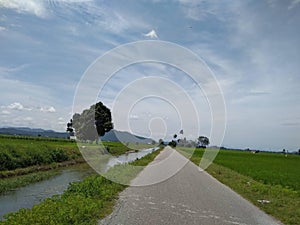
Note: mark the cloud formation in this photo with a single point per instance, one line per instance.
(151, 34)
(50, 109)
(35, 7)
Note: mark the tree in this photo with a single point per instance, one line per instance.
(70, 128)
(161, 142)
(92, 122)
(173, 143)
(203, 141)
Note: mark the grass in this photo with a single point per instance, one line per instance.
(268, 176)
(83, 202)
(25, 160)
(21, 152)
(118, 148)
(12, 183)
(18, 152)
(284, 202)
(267, 168)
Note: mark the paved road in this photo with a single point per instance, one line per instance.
(190, 197)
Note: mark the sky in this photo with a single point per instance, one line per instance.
(252, 49)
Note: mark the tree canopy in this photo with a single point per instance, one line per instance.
(91, 123)
(203, 141)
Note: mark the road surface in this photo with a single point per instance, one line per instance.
(191, 196)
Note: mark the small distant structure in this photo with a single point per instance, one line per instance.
(72, 137)
(255, 151)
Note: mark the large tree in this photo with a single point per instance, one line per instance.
(92, 122)
(203, 141)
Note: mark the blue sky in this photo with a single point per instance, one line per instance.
(252, 48)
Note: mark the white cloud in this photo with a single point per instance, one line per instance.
(293, 4)
(5, 112)
(35, 7)
(2, 28)
(151, 34)
(10, 70)
(50, 109)
(16, 106)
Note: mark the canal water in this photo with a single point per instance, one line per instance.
(26, 197)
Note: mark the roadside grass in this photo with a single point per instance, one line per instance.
(262, 176)
(284, 202)
(83, 202)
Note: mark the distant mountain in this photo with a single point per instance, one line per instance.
(124, 136)
(113, 135)
(26, 131)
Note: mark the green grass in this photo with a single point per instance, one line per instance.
(269, 176)
(118, 148)
(83, 202)
(12, 183)
(267, 168)
(25, 160)
(21, 152)
(284, 202)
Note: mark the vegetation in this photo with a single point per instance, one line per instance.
(24, 152)
(82, 203)
(203, 141)
(27, 160)
(12, 183)
(269, 176)
(118, 148)
(21, 155)
(91, 123)
(267, 168)
(284, 202)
